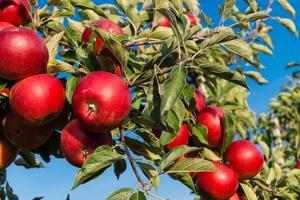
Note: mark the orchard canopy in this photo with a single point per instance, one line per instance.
(155, 87)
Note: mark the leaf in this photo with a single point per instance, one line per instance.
(256, 76)
(278, 172)
(262, 48)
(222, 36)
(191, 165)
(28, 160)
(123, 193)
(201, 133)
(248, 191)
(173, 88)
(289, 24)
(76, 27)
(292, 64)
(103, 157)
(288, 7)
(172, 155)
(150, 172)
(119, 168)
(228, 132)
(139, 195)
(70, 87)
(10, 193)
(227, 8)
(255, 16)
(83, 4)
(240, 48)
(115, 47)
(253, 4)
(58, 66)
(53, 43)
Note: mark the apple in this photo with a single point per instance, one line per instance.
(8, 153)
(191, 19)
(16, 12)
(164, 21)
(5, 25)
(37, 100)
(217, 185)
(244, 158)
(298, 165)
(101, 101)
(182, 137)
(236, 196)
(23, 53)
(212, 118)
(103, 24)
(200, 100)
(78, 144)
(22, 136)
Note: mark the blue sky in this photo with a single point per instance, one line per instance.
(55, 180)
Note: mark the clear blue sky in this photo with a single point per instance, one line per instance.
(54, 181)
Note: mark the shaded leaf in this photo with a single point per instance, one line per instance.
(240, 48)
(191, 165)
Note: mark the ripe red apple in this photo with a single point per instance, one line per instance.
(182, 137)
(212, 118)
(16, 12)
(164, 22)
(217, 185)
(101, 101)
(78, 144)
(8, 153)
(297, 165)
(200, 100)
(244, 158)
(103, 24)
(37, 100)
(22, 136)
(5, 25)
(191, 18)
(23, 53)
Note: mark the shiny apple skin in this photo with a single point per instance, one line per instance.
(22, 54)
(101, 101)
(78, 143)
(37, 100)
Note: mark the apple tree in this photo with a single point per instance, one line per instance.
(152, 86)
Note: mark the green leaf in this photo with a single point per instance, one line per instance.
(123, 193)
(240, 48)
(255, 16)
(53, 43)
(217, 38)
(150, 172)
(28, 160)
(227, 8)
(115, 47)
(253, 4)
(261, 48)
(191, 165)
(119, 168)
(288, 7)
(83, 4)
(278, 172)
(201, 133)
(139, 195)
(209, 154)
(70, 87)
(250, 194)
(76, 27)
(256, 76)
(58, 66)
(289, 24)
(103, 157)
(229, 131)
(172, 155)
(173, 88)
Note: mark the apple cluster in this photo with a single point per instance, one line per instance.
(242, 159)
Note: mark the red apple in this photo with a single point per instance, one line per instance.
(101, 101)
(212, 118)
(164, 21)
(22, 136)
(16, 12)
(5, 25)
(217, 185)
(37, 100)
(8, 153)
(297, 165)
(191, 18)
(200, 100)
(23, 53)
(244, 158)
(78, 144)
(182, 137)
(103, 24)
